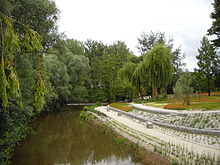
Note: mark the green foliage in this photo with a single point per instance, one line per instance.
(105, 61)
(183, 87)
(67, 74)
(90, 108)
(214, 30)
(21, 73)
(158, 67)
(104, 71)
(146, 42)
(94, 49)
(86, 116)
(121, 140)
(45, 15)
(85, 108)
(75, 47)
(217, 80)
(175, 162)
(125, 74)
(208, 63)
(39, 99)
(5, 7)
(10, 44)
(134, 78)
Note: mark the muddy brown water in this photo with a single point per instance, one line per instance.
(61, 138)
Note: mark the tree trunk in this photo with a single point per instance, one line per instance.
(209, 86)
(142, 96)
(141, 93)
(188, 99)
(154, 92)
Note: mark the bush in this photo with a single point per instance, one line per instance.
(86, 108)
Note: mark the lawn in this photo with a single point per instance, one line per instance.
(122, 106)
(204, 102)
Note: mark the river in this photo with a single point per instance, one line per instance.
(61, 138)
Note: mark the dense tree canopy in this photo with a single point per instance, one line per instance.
(67, 73)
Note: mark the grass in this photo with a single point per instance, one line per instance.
(122, 106)
(156, 104)
(205, 102)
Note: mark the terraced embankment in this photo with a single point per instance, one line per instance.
(174, 147)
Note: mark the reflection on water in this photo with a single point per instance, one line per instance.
(62, 139)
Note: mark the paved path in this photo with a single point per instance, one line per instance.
(167, 111)
(198, 148)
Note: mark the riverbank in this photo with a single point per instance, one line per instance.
(172, 147)
(127, 142)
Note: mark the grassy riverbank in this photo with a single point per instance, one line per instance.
(122, 106)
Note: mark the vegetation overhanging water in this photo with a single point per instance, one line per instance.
(61, 138)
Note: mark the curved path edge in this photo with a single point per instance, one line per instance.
(197, 147)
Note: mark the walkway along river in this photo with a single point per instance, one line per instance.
(172, 147)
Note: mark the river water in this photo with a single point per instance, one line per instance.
(61, 138)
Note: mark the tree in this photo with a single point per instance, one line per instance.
(147, 41)
(183, 87)
(78, 68)
(22, 74)
(10, 45)
(140, 78)
(75, 47)
(104, 80)
(59, 80)
(105, 61)
(217, 80)
(12, 119)
(5, 7)
(208, 62)
(40, 15)
(67, 73)
(215, 28)
(158, 66)
(126, 76)
(93, 48)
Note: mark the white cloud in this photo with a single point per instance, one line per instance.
(111, 20)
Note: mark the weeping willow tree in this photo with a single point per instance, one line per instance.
(139, 79)
(11, 44)
(158, 67)
(125, 74)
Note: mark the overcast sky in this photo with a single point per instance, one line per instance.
(111, 20)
